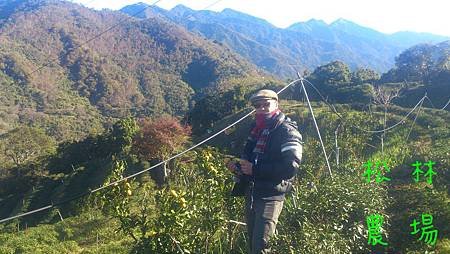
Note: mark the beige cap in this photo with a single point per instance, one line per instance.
(264, 94)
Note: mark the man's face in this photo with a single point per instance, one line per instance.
(265, 106)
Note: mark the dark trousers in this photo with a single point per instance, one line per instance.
(262, 217)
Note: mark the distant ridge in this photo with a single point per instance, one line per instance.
(303, 45)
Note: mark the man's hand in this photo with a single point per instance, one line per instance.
(230, 165)
(246, 167)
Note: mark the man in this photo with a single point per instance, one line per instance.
(271, 158)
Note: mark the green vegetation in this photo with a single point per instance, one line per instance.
(323, 215)
(51, 79)
(99, 112)
(22, 145)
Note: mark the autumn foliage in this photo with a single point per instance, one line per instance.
(158, 138)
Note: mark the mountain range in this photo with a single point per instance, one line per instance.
(74, 70)
(303, 45)
(62, 65)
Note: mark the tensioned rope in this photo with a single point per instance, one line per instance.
(209, 138)
(333, 109)
(411, 128)
(195, 146)
(51, 205)
(434, 107)
(315, 123)
(414, 122)
(448, 102)
(428, 99)
(123, 179)
(419, 103)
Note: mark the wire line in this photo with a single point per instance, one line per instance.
(315, 124)
(446, 104)
(359, 128)
(411, 128)
(140, 172)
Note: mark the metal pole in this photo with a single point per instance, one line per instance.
(315, 123)
(336, 144)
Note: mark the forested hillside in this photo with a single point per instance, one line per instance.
(69, 74)
(88, 98)
(304, 45)
(419, 70)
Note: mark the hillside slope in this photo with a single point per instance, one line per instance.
(140, 66)
(331, 208)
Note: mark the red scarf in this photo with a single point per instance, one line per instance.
(265, 123)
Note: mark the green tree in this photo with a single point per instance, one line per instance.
(364, 75)
(214, 107)
(333, 73)
(414, 65)
(122, 134)
(25, 144)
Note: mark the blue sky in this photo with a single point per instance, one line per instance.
(386, 16)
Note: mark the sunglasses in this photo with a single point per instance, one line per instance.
(262, 104)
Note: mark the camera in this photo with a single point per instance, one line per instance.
(238, 170)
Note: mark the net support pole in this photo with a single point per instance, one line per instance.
(315, 123)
